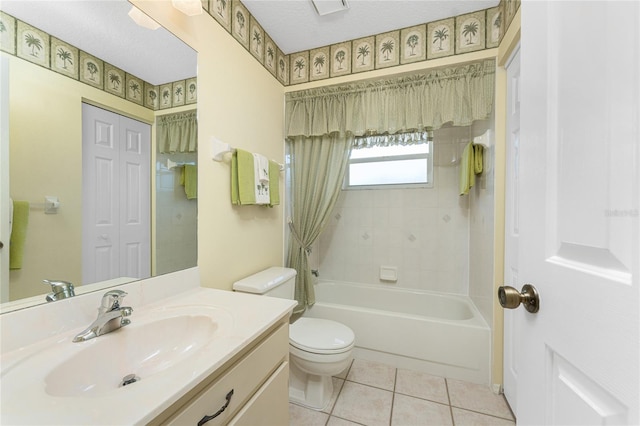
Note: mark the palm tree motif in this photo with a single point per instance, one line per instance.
(178, 93)
(134, 87)
(470, 29)
(412, 42)
(34, 43)
(240, 20)
(270, 54)
(440, 35)
(340, 57)
(257, 37)
(2, 27)
(318, 62)
(92, 69)
(281, 64)
(192, 89)
(363, 51)
(165, 96)
(387, 48)
(498, 21)
(152, 96)
(64, 56)
(299, 66)
(222, 5)
(115, 80)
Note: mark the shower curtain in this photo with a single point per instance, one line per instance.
(324, 120)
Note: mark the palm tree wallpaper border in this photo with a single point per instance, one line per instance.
(495, 18)
(470, 32)
(299, 67)
(91, 70)
(363, 54)
(412, 44)
(32, 44)
(7, 33)
(320, 62)
(441, 36)
(27, 42)
(387, 49)
(114, 80)
(340, 59)
(256, 40)
(64, 58)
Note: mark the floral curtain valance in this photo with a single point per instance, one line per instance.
(458, 95)
(177, 132)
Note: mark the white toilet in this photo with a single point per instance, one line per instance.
(318, 348)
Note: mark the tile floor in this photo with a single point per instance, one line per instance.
(372, 394)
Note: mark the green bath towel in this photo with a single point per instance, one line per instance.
(467, 173)
(274, 183)
(189, 178)
(20, 221)
(242, 178)
(478, 152)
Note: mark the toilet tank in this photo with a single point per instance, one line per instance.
(275, 282)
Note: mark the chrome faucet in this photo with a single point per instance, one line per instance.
(60, 290)
(111, 316)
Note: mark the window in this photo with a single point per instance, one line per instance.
(387, 166)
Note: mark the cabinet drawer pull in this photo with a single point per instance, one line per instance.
(205, 419)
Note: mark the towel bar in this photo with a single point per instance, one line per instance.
(219, 149)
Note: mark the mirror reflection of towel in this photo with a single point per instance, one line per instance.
(189, 178)
(19, 222)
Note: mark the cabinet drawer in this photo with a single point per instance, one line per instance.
(243, 378)
(270, 405)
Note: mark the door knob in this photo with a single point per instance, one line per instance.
(510, 298)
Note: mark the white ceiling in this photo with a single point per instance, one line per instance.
(102, 28)
(294, 25)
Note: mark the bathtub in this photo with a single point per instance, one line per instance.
(443, 335)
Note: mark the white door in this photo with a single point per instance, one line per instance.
(512, 333)
(116, 196)
(579, 232)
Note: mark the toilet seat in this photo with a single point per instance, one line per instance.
(320, 336)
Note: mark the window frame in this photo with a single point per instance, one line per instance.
(426, 156)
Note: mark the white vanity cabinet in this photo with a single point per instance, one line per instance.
(252, 388)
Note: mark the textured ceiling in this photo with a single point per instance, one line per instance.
(294, 25)
(102, 28)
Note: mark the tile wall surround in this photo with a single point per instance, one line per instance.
(424, 232)
(20, 39)
(470, 32)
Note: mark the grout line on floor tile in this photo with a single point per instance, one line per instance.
(393, 396)
(484, 414)
(446, 385)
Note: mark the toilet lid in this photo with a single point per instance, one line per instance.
(320, 335)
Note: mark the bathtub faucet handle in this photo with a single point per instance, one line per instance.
(315, 273)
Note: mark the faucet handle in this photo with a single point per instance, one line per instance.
(60, 290)
(112, 299)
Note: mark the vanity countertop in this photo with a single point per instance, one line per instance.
(28, 395)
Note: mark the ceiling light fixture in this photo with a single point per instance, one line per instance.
(325, 7)
(188, 7)
(141, 19)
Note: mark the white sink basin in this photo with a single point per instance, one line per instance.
(139, 349)
(171, 345)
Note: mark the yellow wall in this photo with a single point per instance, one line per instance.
(45, 117)
(240, 103)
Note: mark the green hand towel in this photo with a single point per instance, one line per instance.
(242, 178)
(478, 152)
(20, 221)
(274, 183)
(189, 179)
(467, 174)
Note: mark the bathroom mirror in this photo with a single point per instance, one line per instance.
(154, 56)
